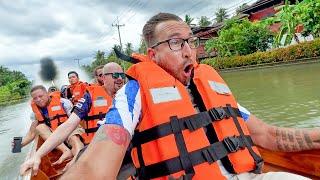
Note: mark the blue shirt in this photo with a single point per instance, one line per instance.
(126, 107)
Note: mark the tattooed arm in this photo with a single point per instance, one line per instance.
(283, 139)
(103, 157)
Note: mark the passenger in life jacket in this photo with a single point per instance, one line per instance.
(49, 112)
(98, 76)
(91, 109)
(183, 118)
(53, 91)
(77, 88)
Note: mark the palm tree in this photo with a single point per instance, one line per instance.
(204, 21)
(221, 15)
(188, 19)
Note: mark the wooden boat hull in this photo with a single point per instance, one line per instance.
(305, 163)
(47, 171)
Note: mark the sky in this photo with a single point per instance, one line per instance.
(72, 30)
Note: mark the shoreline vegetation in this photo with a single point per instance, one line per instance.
(305, 52)
(14, 86)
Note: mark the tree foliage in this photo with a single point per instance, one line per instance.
(204, 21)
(143, 47)
(309, 12)
(188, 19)
(221, 15)
(289, 18)
(240, 37)
(128, 49)
(13, 84)
(102, 59)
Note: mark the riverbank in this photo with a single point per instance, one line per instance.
(292, 54)
(13, 101)
(272, 65)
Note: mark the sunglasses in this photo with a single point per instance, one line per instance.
(116, 75)
(100, 75)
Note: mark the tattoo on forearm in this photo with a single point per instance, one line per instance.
(299, 139)
(308, 140)
(115, 133)
(295, 140)
(284, 135)
(279, 146)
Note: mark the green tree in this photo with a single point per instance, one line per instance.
(221, 15)
(102, 59)
(128, 49)
(240, 37)
(289, 18)
(204, 21)
(188, 19)
(309, 12)
(13, 85)
(143, 47)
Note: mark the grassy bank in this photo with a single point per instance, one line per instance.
(299, 52)
(13, 101)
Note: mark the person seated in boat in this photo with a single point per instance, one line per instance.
(98, 75)
(91, 109)
(182, 119)
(50, 111)
(77, 88)
(53, 91)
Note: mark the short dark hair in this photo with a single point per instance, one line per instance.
(34, 88)
(96, 69)
(73, 72)
(149, 27)
(52, 89)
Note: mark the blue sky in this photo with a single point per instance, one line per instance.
(76, 29)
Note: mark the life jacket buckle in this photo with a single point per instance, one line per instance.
(232, 143)
(218, 113)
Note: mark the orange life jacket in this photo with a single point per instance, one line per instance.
(56, 113)
(101, 103)
(77, 91)
(170, 139)
(55, 94)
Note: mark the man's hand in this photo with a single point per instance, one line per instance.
(32, 163)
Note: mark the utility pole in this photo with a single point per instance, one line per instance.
(78, 61)
(118, 26)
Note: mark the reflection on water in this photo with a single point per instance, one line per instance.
(286, 96)
(14, 121)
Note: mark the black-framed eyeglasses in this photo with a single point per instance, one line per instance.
(116, 75)
(176, 44)
(100, 75)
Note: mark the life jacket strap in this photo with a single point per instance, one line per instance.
(192, 122)
(257, 159)
(209, 154)
(91, 130)
(94, 117)
(184, 157)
